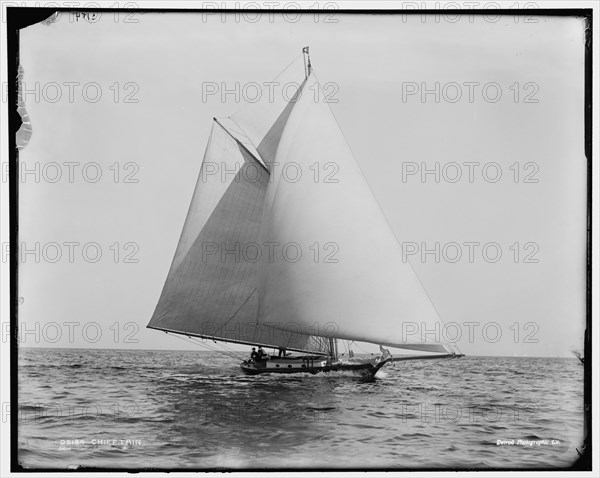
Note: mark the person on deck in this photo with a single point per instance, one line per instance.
(253, 355)
(261, 354)
(282, 351)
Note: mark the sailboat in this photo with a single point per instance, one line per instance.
(284, 245)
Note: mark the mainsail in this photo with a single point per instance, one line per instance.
(276, 252)
(348, 275)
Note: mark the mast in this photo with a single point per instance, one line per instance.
(307, 66)
(333, 349)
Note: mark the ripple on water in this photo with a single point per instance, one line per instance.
(192, 410)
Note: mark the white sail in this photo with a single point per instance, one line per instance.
(284, 244)
(210, 290)
(264, 117)
(342, 274)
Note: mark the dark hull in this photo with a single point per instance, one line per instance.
(313, 366)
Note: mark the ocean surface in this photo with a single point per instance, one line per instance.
(128, 409)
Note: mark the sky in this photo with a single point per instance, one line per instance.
(494, 105)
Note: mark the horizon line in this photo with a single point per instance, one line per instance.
(573, 356)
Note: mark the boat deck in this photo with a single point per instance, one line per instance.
(309, 364)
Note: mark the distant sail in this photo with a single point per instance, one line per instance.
(344, 274)
(210, 290)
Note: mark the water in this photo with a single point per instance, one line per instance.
(195, 410)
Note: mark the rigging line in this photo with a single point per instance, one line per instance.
(236, 312)
(234, 352)
(215, 339)
(290, 64)
(262, 161)
(362, 349)
(380, 208)
(215, 349)
(190, 340)
(230, 353)
(207, 346)
(187, 339)
(239, 131)
(227, 350)
(300, 88)
(278, 75)
(237, 141)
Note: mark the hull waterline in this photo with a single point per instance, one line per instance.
(313, 366)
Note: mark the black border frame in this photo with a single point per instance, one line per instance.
(21, 17)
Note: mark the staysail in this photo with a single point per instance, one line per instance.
(343, 270)
(210, 289)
